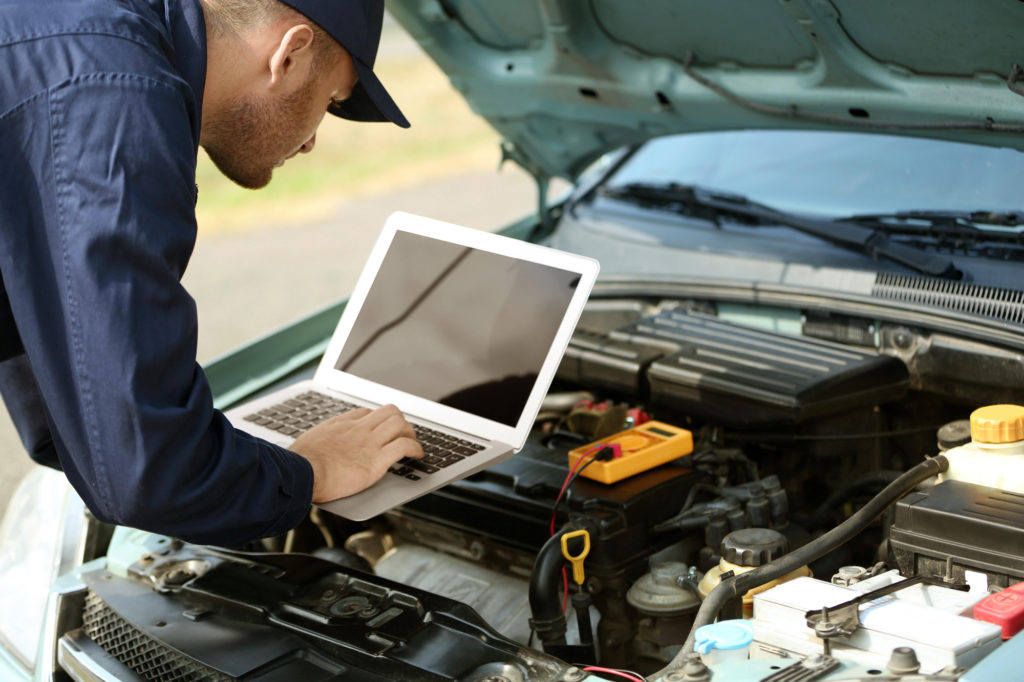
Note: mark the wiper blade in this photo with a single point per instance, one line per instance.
(708, 204)
(969, 226)
(1000, 218)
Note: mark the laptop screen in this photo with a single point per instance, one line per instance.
(463, 327)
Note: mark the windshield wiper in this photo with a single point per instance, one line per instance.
(963, 227)
(699, 202)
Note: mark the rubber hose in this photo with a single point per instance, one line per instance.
(815, 549)
(876, 479)
(545, 597)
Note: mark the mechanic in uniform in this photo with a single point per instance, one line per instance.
(103, 106)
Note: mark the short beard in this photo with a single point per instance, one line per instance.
(245, 139)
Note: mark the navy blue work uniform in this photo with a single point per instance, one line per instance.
(100, 110)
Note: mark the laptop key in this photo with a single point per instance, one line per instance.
(420, 466)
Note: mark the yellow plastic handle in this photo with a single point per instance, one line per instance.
(577, 560)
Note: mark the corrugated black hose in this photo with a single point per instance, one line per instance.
(547, 620)
(815, 549)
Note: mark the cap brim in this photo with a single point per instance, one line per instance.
(369, 100)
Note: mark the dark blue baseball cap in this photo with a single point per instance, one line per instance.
(356, 25)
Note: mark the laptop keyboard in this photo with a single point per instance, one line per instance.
(299, 414)
(302, 412)
(440, 450)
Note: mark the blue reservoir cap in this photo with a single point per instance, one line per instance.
(724, 635)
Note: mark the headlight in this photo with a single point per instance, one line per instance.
(38, 541)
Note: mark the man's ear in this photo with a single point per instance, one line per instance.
(292, 57)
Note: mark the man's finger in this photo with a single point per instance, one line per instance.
(376, 417)
(357, 413)
(394, 427)
(402, 447)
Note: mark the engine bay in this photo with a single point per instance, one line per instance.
(535, 569)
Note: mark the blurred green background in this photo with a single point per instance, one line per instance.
(356, 160)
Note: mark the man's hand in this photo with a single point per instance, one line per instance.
(352, 451)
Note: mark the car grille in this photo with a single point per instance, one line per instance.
(1003, 304)
(135, 649)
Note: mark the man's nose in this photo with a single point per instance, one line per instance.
(308, 146)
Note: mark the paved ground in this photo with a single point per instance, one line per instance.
(246, 284)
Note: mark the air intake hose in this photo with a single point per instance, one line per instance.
(547, 619)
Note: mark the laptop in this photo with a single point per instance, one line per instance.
(461, 329)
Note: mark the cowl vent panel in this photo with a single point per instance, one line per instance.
(1002, 304)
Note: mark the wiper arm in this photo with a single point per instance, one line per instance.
(954, 225)
(708, 204)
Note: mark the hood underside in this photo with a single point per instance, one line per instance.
(564, 81)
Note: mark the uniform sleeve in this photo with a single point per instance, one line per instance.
(111, 334)
(27, 410)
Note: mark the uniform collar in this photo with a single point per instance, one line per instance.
(188, 36)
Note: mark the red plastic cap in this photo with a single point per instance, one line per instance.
(1005, 609)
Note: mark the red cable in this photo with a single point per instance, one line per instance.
(579, 464)
(611, 671)
(554, 514)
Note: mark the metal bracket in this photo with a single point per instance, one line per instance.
(844, 619)
(810, 668)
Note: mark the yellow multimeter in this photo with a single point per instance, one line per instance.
(641, 448)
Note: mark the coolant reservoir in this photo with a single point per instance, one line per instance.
(995, 455)
(744, 550)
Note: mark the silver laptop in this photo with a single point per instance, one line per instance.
(461, 329)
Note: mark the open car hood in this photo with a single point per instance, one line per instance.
(564, 81)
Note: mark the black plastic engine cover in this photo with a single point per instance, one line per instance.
(980, 528)
(733, 374)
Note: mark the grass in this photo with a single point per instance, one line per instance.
(358, 159)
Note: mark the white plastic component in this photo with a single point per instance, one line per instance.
(939, 638)
(951, 601)
(716, 656)
(995, 465)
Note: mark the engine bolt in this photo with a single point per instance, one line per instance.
(178, 576)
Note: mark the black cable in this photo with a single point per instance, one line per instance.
(572, 479)
(691, 497)
(876, 479)
(603, 455)
(770, 437)
(815, 549)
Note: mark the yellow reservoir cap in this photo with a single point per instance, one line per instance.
(997, 424)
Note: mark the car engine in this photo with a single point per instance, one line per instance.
(758, 445)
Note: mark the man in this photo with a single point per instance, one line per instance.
(103, 105)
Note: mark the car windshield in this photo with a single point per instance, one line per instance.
(835, 174)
